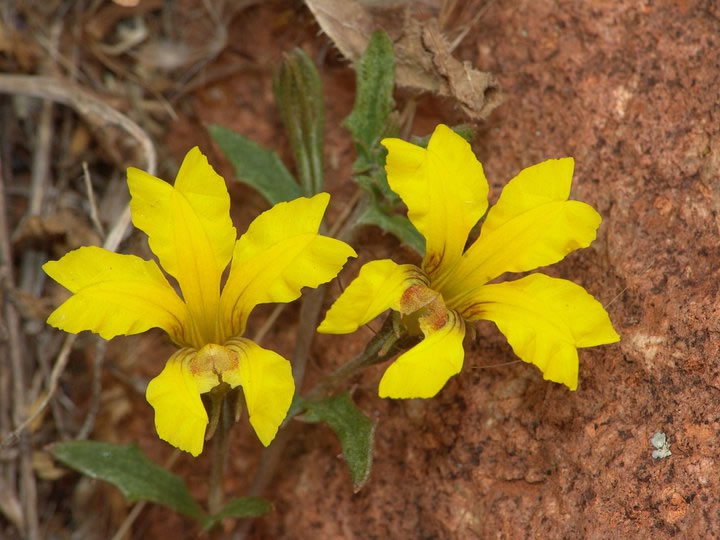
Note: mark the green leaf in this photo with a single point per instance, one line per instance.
(373, 98)
(256, 166)
(125, 467)
(395, 224)
(355, 431)
(243, 507)
(299, 97)
(368, 123)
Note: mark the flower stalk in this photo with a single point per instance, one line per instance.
(221, 447)
(386, 343)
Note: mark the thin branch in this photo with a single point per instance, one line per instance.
(85, 103)
(269, 323)
(464, 32)
(91, 201)
(12, 320)
(98, 361)
(42, 147)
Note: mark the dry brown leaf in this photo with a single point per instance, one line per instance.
(65, 230)
(347, 23)
(44, 466)
(424, 60)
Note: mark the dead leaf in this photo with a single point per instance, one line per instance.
(425, 63)
(64, 230)
(347, 23)
(423, 54)
(44, 466)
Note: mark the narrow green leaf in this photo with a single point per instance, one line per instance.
(243, 507)
(373, 98)
(125, 467)
(299, 97)
(355, 431)
(395, 224)
(256, 166)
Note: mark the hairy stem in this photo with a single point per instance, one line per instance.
(221, 445)
(382, 346)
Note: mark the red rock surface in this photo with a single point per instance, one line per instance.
(630, 90)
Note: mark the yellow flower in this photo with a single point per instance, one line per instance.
(533, 224)
(190, 232)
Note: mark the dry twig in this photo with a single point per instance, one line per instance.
(91, 201)
(14, 344)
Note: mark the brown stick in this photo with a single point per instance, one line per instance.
(85, 103)
(12, 320)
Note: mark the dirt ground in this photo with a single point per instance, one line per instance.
(630, 90)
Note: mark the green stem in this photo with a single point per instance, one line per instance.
(310, 309)
(381, 347)
(385, 344)
(221, 445)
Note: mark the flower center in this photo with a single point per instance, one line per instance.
(213, 358)
(423, 309)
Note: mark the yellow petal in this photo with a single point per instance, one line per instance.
(532, 225)
(422, 371)
(545, 320)
(115, 295)
(280, 254)
(180, 416)
(379, 286)
(445, 190)
(190, 231)
(267, 382)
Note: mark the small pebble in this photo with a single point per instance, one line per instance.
(662, 447)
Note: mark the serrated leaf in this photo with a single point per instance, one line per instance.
(127, 468)
(243, 507)
(396, 224)
(298, 92)
(256, 166)
(373, 98)
(355, 431)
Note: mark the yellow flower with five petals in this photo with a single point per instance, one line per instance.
(533, 224)
(191, 233)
